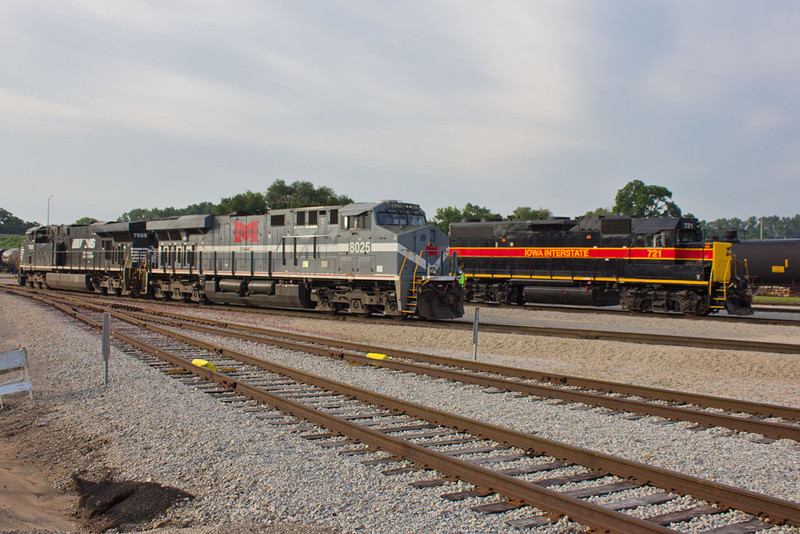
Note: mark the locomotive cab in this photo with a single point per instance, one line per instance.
(393, 239)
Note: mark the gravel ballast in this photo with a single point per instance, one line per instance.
(251, 476)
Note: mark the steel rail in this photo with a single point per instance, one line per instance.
(772, 429)
(516, 490)
(629, 337)
(724, 403)
(569, 333)
(776, 308)
(661, 315)
(777, 510)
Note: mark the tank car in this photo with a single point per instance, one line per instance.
(9, 259)
(377, 257)
(643, 264)
(771, 262)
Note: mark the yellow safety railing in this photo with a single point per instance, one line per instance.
(720, 251)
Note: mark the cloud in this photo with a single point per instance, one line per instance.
(546, 103)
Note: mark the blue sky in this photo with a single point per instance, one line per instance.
(109, 106)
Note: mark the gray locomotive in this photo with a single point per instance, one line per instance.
(376, 257)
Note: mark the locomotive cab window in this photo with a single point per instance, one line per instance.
(689, 236)
(276, 220)
(301, 218)
(356, 222)
(658, 240)
(392, 218)
(400, 218)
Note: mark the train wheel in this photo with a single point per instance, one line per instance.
(690, 303)
(358, 309)
(158, 294)
(365, 311)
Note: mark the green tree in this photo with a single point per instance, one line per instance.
(11, 224)
(473, 212)
(86, 220)
(145, 214)
(202, 208)
(768, 227)
(599, 211)
(247, 202)
(637, 198)
(281, 195)
(524, 213)
(451, 214)
(445, 216)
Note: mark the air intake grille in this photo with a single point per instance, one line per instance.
(616, 226)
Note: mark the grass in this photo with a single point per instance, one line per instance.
(11, 241)
(792, 301)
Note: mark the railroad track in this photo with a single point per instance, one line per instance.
(572, 333)
(739, 415)
(546, 476)
(629, 337)
(616, 311)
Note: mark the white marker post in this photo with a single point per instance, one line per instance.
(106, 348)
(475, 337)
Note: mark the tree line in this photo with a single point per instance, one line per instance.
(11, 224)
(635, 198)
(279, 195)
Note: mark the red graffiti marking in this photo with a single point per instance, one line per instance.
(431, 251)
(245, 232)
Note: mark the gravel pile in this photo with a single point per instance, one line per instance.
(249, 476)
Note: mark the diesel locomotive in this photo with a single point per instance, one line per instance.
(376, 257)
(642, 264)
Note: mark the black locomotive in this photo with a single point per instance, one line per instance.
(642, 264)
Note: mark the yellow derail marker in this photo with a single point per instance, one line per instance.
(204, 363)
(373, 356)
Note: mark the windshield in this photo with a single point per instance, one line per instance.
(400, 218)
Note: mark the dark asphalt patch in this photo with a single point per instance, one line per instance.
(111, 504)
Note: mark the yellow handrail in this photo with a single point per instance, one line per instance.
(400, 279)
(414, 279)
